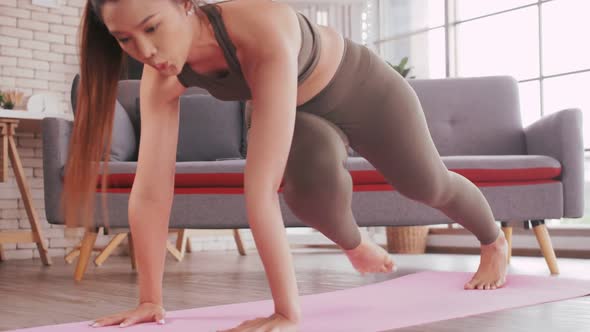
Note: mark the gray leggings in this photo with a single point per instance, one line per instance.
(372, 108)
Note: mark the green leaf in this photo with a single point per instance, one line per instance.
(8, 105)
(404, 62)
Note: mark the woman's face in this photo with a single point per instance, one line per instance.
(157, 33)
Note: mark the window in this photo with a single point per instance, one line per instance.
(468, 9)
(569, 91)
(346, 17)
(405, 16)
(322, 17)
(425, 52)
(530, 101)
(498, 45)
(413, 29)
(563, 20)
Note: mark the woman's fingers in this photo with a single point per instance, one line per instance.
(145, 312)
(130, 321)
(107, 321)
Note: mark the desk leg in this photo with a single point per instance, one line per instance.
(27, 198)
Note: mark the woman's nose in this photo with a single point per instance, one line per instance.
(146, 49)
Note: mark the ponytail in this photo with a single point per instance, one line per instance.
(101, 62)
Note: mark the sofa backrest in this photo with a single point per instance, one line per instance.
(210, 129)
(472, 116)
(465, 116)
(128, 92)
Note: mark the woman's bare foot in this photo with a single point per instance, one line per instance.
(368, 257)
(491, 273)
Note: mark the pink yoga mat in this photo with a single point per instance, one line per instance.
(413, 299)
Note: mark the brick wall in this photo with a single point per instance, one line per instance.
(38, 47)
(38, 54)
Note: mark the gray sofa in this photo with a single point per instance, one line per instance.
(527, 174)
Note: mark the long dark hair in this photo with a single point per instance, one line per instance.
(101, 62)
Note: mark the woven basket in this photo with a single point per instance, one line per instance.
(407, 239)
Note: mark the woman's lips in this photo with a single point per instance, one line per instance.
(162, 66)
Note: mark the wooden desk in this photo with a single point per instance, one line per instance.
(9, 121)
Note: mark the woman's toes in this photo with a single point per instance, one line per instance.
(390, 265)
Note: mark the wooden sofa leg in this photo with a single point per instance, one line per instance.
(239, 243)
(69, 258)
(507, 229)
(108, 250)
(131, 250)
(86, 247)
(189, 248)
(173, 251)
(181, 241)
(544, 240)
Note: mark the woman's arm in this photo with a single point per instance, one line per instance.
(271, 71)
(153, 188)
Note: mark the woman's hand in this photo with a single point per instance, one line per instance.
(274, 323)
(145, 312)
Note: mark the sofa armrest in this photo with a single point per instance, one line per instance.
(559, 135)
(56, 134)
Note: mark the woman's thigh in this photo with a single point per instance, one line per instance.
(384, 122)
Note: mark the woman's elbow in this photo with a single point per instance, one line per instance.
(261, 192)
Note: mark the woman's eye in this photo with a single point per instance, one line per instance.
(152, 29)
(124, 40)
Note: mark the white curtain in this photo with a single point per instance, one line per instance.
(343, 16)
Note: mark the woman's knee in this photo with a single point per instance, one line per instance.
(315, 164)
(318, 173)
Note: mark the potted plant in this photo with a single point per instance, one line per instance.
(401, 67)
(11, 99)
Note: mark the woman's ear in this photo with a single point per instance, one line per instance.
(188, 7)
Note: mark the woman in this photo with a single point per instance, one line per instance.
(313, 93)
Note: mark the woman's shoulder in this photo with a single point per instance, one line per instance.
(252, 22)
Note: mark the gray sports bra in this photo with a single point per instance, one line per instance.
(233, 86)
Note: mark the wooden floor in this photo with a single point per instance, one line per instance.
(33, 295)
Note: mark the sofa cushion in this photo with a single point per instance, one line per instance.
(482, 170)
(246, 127)
(124, 143)
(498, 169)
(247, 117)
(472, 115)
(210, 129)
